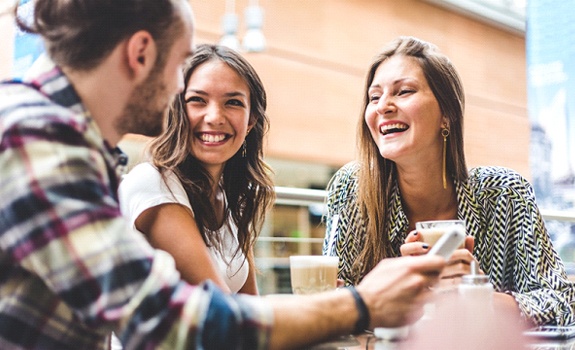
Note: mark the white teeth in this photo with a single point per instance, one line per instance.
(386, 128)
(212, 138)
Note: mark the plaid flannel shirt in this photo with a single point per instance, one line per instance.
(71, 271)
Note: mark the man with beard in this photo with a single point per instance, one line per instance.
(71, 271)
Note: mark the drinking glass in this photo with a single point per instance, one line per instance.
(431, 231)
(313, 273)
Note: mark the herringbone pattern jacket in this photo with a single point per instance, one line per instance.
(512, 244)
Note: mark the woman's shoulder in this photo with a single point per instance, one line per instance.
(347, 173)
(143, 168)
(142, 174)
(499, 179)
(146, 177)
(343, 183)
(145, 187)
(494, 173)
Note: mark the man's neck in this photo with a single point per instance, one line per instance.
(104, 90)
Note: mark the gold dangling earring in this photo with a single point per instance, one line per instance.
(444, 133)
(244, 147)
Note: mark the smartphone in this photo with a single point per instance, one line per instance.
(551, 332)
(448, 243)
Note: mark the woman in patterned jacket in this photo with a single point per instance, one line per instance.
(412, 168)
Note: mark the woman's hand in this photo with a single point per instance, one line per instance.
(413, 245)
(458, 265)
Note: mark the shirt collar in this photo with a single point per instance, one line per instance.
(467, 209)
(399, 224)
(51, 81)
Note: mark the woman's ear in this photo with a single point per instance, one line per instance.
(445, 123)
(251, 124)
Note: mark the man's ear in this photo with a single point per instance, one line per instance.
(141, 54)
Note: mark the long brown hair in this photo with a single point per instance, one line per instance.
(377, 175)
(246, 180)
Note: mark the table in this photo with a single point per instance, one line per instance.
(450, 324)
(369, 342)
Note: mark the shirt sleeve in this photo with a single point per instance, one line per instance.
(144, 188)
(521, 259)
(61, 222)
(543, 291)
(343, 222)
(331, 218)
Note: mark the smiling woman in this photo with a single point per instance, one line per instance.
(412, 168)
(399, 84)
(219, 114)
(203, 195)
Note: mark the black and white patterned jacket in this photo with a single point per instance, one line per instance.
(512, 244)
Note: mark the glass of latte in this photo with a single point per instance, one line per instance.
(431, 231)
(313, 273)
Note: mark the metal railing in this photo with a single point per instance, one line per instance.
(307, 197)
(558, 215)
(296, 197)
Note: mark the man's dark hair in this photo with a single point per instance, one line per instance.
(80, 33)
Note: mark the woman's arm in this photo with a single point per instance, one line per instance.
(345, 227)
(516, 250)
(172, 228)
(250, 287)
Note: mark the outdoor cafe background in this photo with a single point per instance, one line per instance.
(550, 52)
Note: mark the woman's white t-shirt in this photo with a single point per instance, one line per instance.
(143, 188)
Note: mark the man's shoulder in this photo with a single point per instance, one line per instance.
(24, 105)
(15, 93)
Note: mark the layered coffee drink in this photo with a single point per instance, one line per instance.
(313, 273)
(431, 231)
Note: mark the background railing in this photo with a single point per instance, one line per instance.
(276, 243)
(558, 215)
(307, 197)
(303, 197)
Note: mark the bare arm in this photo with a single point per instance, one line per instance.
(506, 304)
(301, 320)
(394, 292)
(250, 287)
(172, 228)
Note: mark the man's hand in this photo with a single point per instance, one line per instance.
(397, 288)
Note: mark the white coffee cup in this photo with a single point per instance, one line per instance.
(431, 231)
(313, 273)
